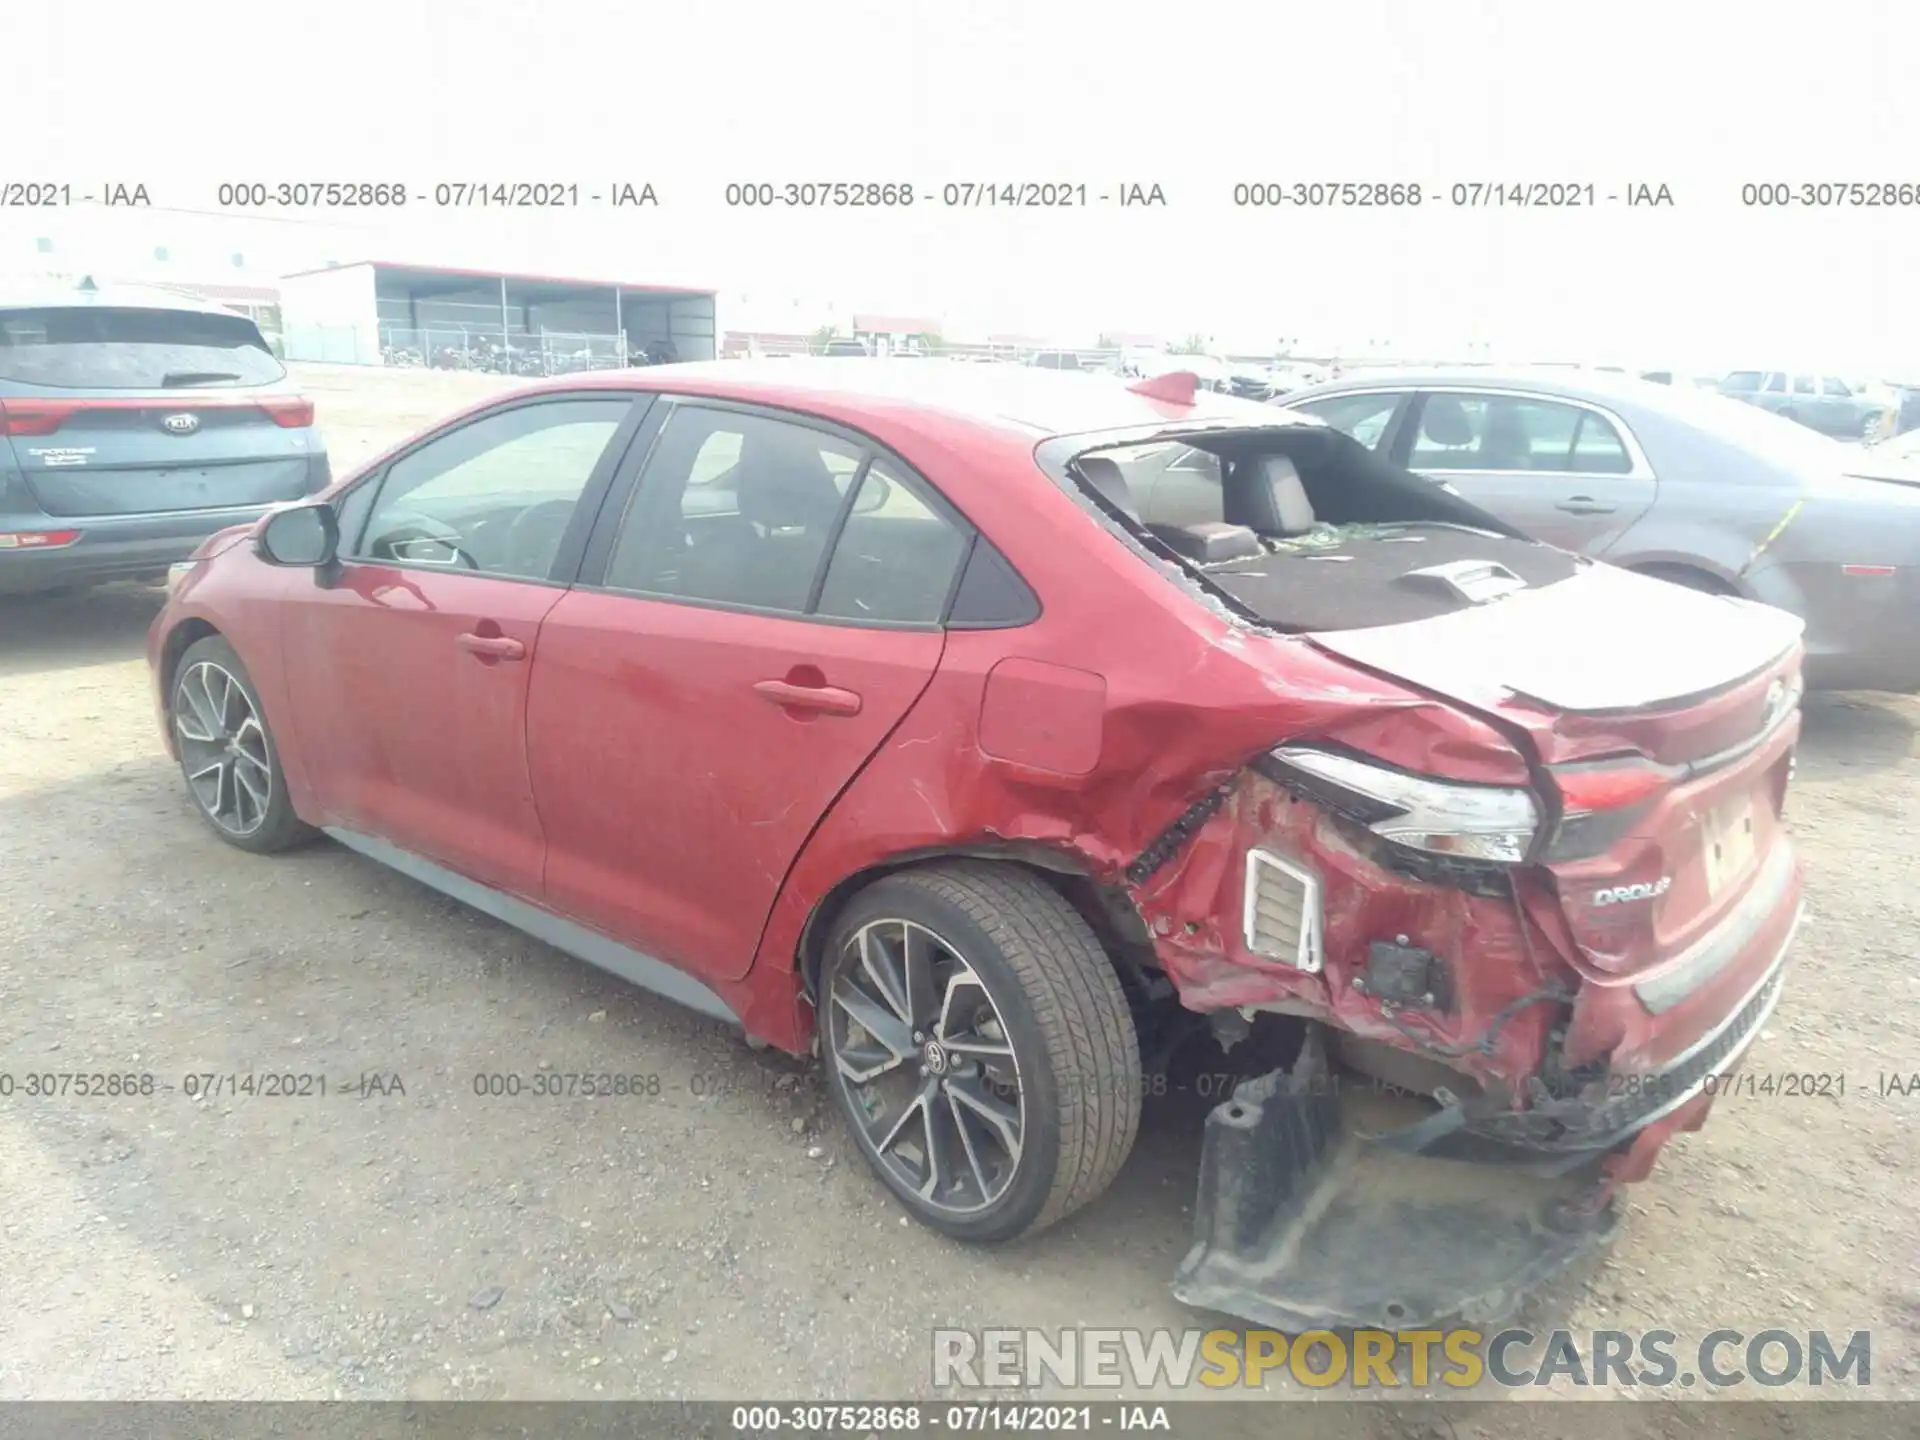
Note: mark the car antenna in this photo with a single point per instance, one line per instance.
(1176, 387)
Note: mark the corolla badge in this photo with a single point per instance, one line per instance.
(1620, 894)
(185, 423)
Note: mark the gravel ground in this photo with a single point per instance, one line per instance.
(405, 1238)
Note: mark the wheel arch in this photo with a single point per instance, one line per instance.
(1690, 573)
(1106, 906)
(180, 639)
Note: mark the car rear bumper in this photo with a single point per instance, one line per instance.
(1894, 670)
(1860, 632)
(116, 547)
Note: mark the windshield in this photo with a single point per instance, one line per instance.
(134, 348)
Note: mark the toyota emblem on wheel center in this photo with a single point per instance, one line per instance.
(184, 423)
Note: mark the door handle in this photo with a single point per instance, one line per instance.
(823, 698)
(1583, 505)
(494, 647)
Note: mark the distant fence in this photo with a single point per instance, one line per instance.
(462, 347)
(507, 352)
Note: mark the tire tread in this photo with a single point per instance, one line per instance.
(1076, 998)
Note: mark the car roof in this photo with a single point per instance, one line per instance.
(1025, 398)
(119, 297)
(1599, 387)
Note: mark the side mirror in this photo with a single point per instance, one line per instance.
(303, 537)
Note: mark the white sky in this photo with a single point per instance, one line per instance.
(1701, 95)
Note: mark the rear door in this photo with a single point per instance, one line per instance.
(1845, 411)
(749, 628)
(133, 410)
(1559, 470)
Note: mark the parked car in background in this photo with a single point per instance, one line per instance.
(1209, 371)
(1285, 377)
(845, 346)
(1845, 410)
(1906, 418)
(1687, 486)
(996, 793)
(134, 423)
(1681, 380)
(1056, 360)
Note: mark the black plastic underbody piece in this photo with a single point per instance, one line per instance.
(1302, 1223)
(1168, 842)
(1407, 975)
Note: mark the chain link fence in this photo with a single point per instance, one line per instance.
(508, 352)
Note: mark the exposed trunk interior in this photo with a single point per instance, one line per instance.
(1310, 531)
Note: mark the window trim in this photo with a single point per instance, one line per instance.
(618, 504)
(1641, 469)
(567, 560)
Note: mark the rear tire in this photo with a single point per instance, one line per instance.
(998, 1088)
(227, 754)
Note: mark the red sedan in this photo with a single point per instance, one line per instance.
(981, 729)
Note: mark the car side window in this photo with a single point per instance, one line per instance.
(1741, 381)
(897, 555)
(1364, 417)
(1835, 388)
(1776, 383)
(1803, 385)
(494, 496)
(733, 508)
(1598, 448)
(1514, 433)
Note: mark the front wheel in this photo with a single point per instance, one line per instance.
(227, 753)
(979, 1044)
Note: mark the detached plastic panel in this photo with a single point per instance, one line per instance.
(1302, 1224)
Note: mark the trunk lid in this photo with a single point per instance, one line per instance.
(1664, 720)
(1579, 656)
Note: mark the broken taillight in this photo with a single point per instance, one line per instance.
(1494, 823)
(1600, 803)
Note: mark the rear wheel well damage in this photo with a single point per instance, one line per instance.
(1106, 907)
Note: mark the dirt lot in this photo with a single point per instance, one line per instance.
(722, 1238)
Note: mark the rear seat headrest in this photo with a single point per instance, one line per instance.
(1268, 495)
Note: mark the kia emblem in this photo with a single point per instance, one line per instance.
(181, 424)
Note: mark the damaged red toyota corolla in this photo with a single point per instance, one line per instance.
(972, 725)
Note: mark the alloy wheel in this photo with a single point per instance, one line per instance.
(223, 748)
(921, 1050)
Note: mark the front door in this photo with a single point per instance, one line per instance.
(408, 672)
(696, 711)
(1556, 471)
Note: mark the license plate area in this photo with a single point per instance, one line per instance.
(1728, 843)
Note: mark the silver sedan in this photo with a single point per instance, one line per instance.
(1692, 487)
